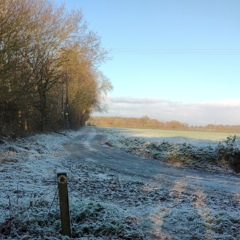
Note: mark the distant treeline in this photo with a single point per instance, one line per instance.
(148, 123)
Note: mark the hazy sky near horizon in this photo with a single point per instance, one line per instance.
(171, 59)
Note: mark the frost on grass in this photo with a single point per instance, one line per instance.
(105, 204)
(28, 199)
(223, 156)
(105, 220)
(88, 219)
(201, 224)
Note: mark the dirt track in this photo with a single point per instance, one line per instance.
(161, 194)
(91, 147)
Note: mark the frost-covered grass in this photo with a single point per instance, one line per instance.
(89, 220)
(104, 204)
(194, 152)
(105, 221)
(29, 207)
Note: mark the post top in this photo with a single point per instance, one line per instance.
(61, 171)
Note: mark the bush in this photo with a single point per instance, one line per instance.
(229, 153)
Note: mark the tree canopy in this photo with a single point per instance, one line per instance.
(49, 67)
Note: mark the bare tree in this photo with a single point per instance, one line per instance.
(47, 58)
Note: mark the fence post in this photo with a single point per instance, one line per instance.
(64, 203)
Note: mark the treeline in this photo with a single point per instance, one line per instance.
(49, 77)
(148, 123)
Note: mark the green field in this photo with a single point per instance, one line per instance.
(149, 133)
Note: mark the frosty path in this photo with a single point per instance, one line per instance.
(112, 194)
(190, 200)
(90, 146)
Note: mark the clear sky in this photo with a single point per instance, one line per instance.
(171, 59)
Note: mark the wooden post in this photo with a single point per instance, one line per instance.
(64, 203)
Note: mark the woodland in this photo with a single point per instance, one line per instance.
(49, 68)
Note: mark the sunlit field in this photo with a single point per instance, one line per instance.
(154, 134)
(202, 150)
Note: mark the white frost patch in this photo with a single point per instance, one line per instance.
(178, 151)
(104, 205)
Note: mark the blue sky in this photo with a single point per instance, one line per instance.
(182, 54)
